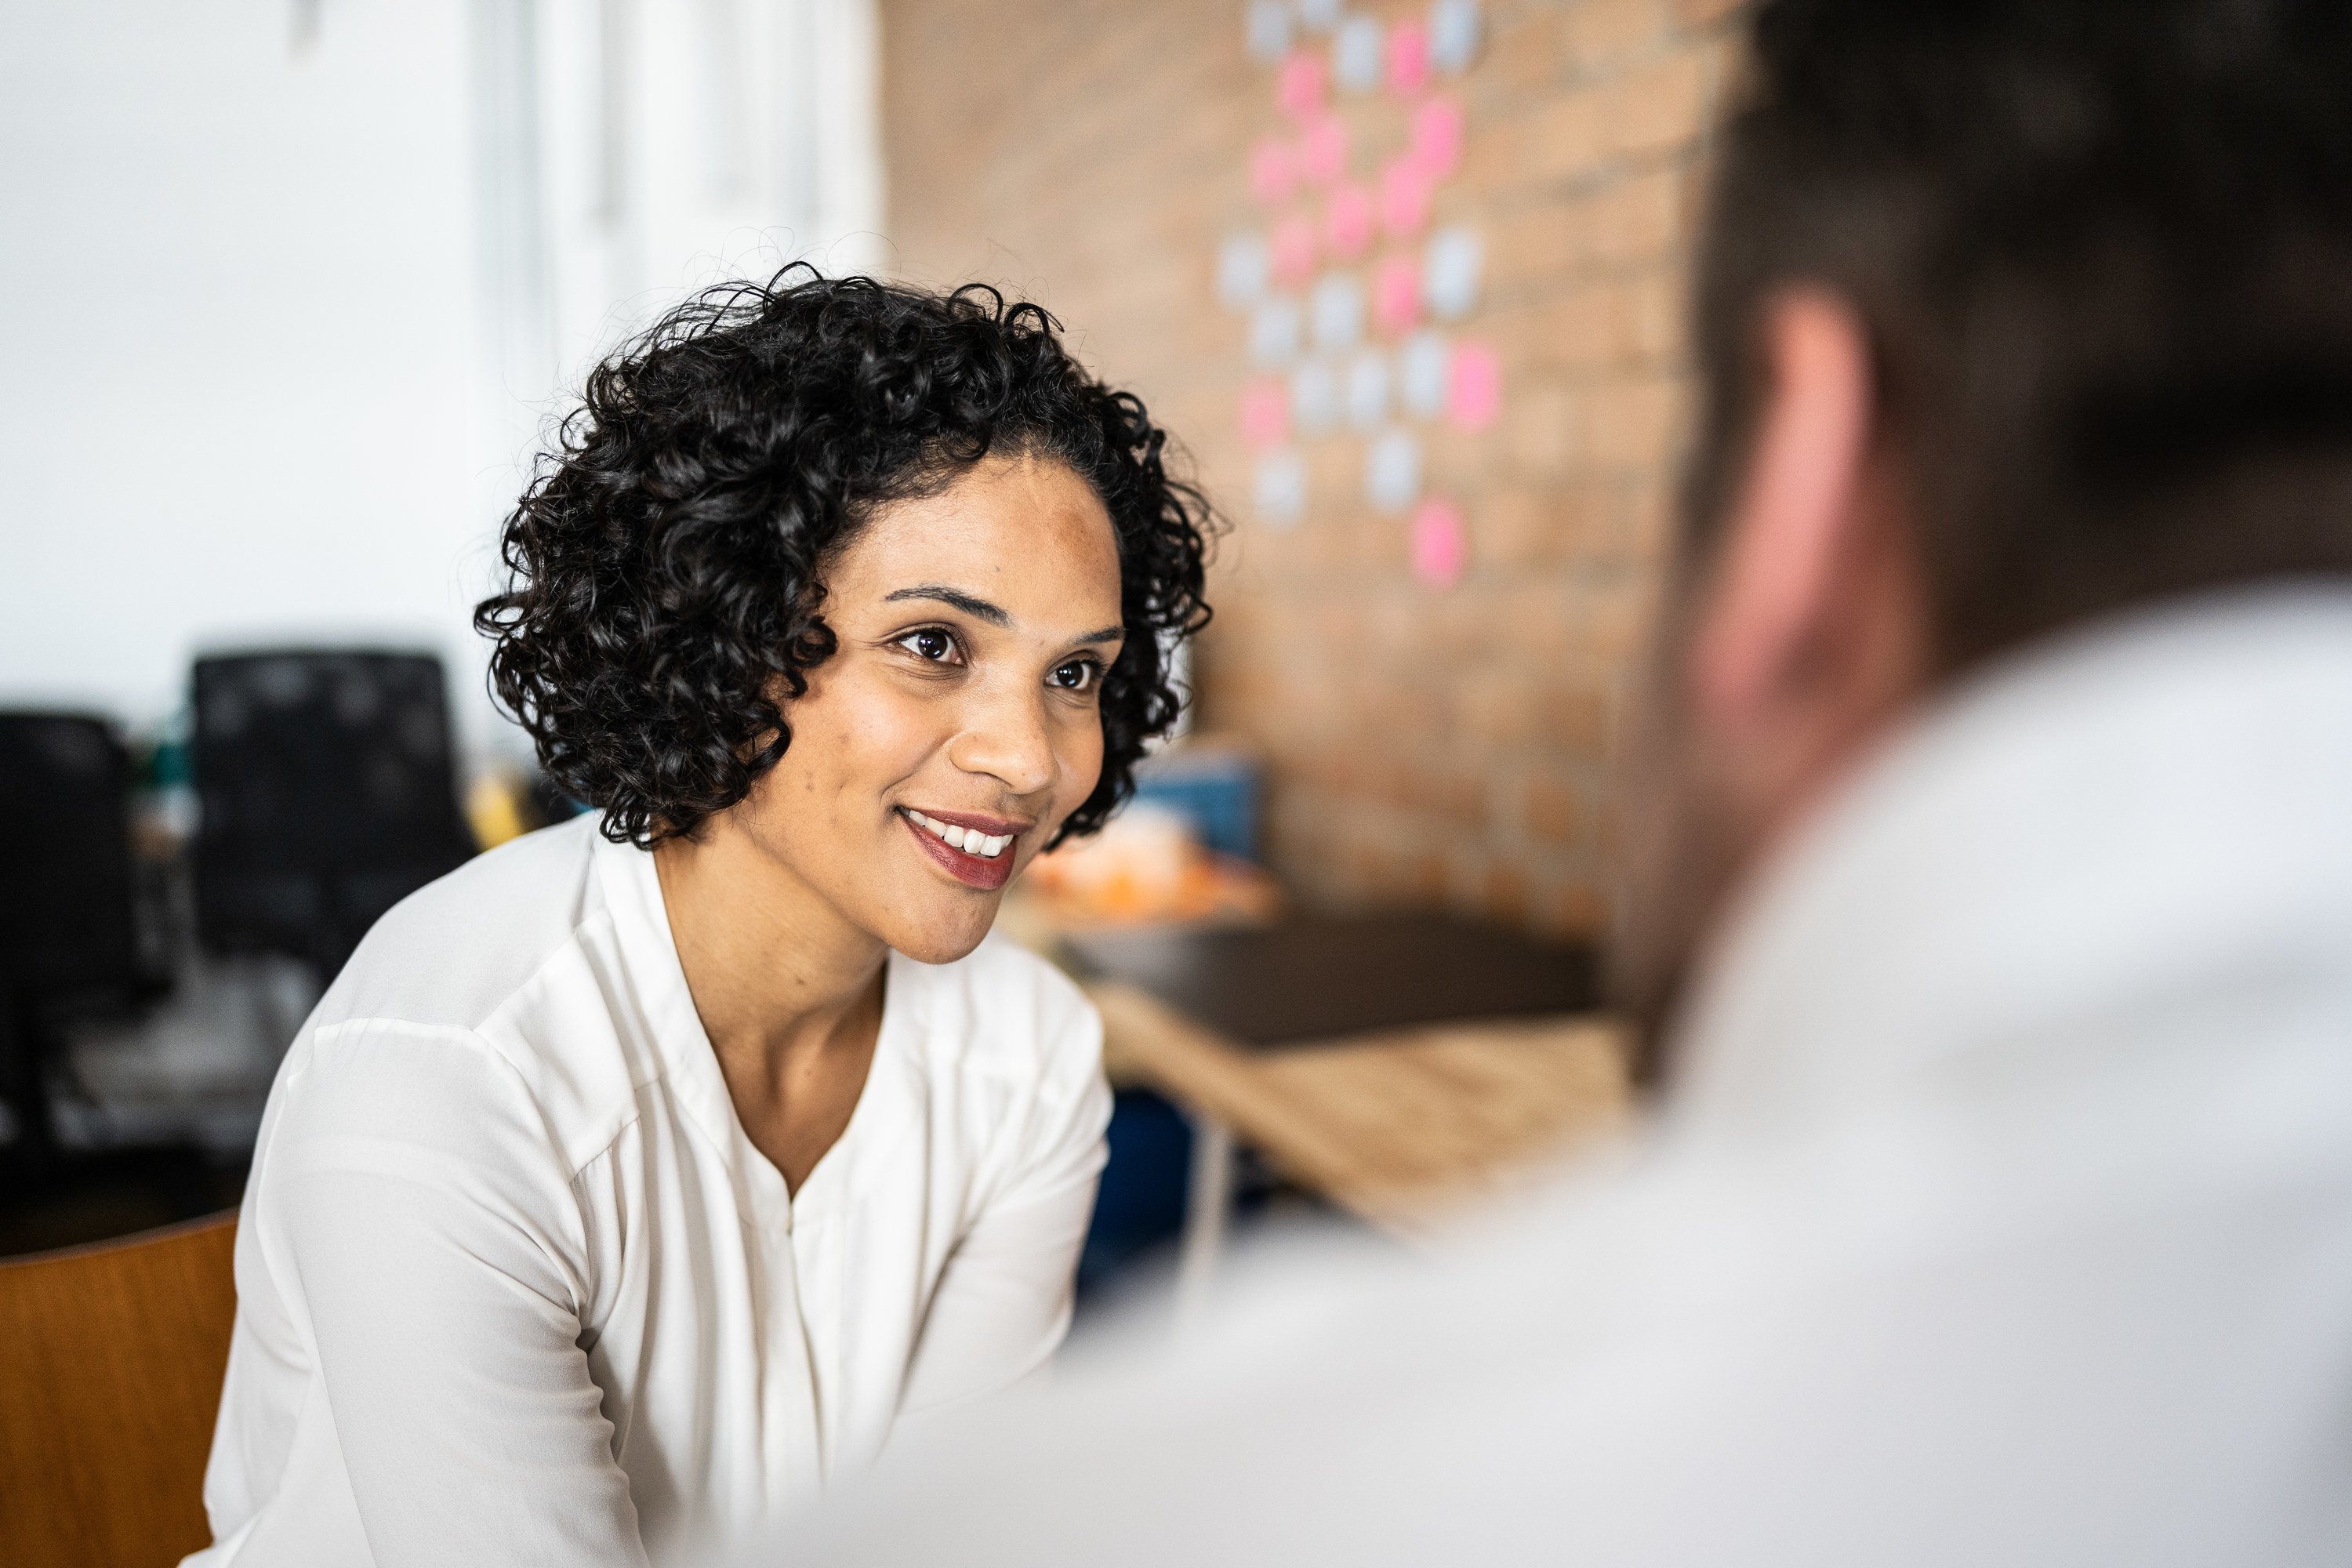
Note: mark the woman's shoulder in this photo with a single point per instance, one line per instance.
(475, 1003)
(455, 951)
(1002, 1007)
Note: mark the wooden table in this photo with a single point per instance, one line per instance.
(1399, 1127)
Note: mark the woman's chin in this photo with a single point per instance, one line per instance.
(944, 936)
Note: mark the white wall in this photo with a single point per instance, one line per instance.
(236, 299)
(287, 289)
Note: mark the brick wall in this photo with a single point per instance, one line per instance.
(1427, 746)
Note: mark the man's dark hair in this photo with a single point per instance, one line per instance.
(666, 564)
(2102, 249)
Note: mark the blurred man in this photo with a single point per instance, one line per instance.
(1990, 914)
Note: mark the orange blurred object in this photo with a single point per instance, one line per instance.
(1146, 869)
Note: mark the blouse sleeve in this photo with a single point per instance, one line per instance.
(1003, 1303)
(414, 1202)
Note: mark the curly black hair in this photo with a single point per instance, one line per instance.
(665, 566)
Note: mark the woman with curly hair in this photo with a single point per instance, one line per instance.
(633, 1181)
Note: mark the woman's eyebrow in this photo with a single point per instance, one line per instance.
(980, 609)
(977, 608)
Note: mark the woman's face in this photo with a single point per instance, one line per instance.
(959, 722)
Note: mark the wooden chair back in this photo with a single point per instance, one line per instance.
(111, 1359)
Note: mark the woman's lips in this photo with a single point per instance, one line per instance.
(987, 873)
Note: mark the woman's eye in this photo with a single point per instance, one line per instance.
(1078, 674)
(930, 643)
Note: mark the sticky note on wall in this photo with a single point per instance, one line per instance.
(1300, 87)
(1425, 374)
(1474, 389)
(1323, 150)
(1268, 30)
(1281, 489)
(1293, 251)
(1396, 294)
(1274, 332)
(1405, 193)
(1242, 268)
(1314, 398)
(1452, 263)
(1337, 309)
(1408, 60)
(1392, 473)
(1265, 412)
(1441, 544)
(1271, 171)
(1437, 137)
(1348, 220)
(1358, 54)
(1453, 34)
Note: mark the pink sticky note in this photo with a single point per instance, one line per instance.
(1405, 193)
(1437, 138)
(1408, 59)
(1474, 386)
(1265, 412)
(1299, 89)
(1293, 250)
(1440, 543)
(1348, 220)
(1271, 171)
(1396, 294)
(1323, 150)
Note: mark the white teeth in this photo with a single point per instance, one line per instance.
(971, 841)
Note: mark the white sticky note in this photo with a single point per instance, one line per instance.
(1367, 390)
(1268, 26)
(1392, 473)
(1359, 54)
(1338, 311)
(1314, 398)
(1454, 30)
(1422, 366)
(1242, 264)
(1450, 268)
(1281, 489)
(1320, 15)
(1274, 332)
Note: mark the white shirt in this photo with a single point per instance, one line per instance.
(514, 1287)
(2002, 1213)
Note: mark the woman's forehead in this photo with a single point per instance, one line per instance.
(1027, 527)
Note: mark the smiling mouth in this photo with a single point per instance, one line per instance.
(975, 858)
(971, 841)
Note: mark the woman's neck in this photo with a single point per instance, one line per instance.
(789, 992)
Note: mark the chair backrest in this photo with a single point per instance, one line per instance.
(325, 794)
(112, 1360)
(66, 920)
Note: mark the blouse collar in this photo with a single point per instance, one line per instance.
(632, 890)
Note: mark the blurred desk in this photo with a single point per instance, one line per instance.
(1401, 1066)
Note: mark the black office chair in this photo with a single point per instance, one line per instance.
(68, 932)
(325, 794)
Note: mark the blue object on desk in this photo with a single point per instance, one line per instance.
(1214, 791)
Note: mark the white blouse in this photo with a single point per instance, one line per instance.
(513, 1287)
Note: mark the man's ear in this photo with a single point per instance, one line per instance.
(1792, 518)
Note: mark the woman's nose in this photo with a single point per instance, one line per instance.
(1007, 736)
